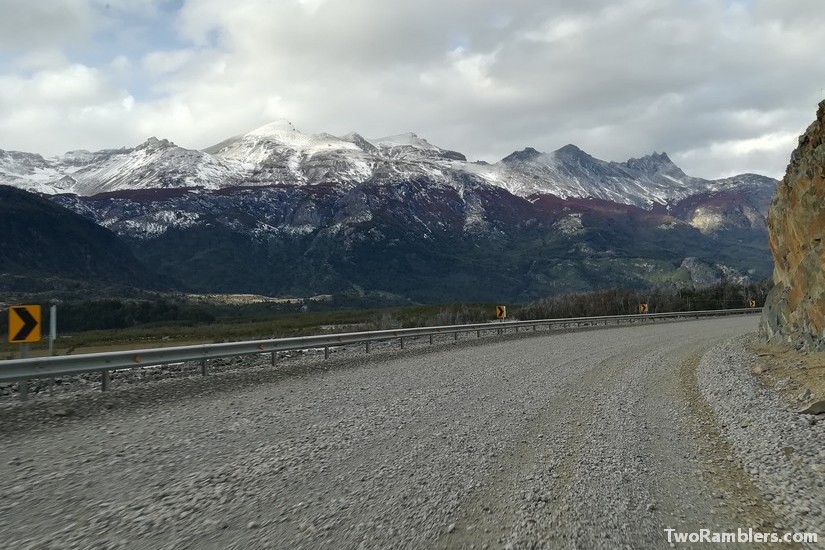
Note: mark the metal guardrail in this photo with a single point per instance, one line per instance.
(15, 370)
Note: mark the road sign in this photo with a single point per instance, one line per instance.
(24, 324)
(752, 303)
(501, 312)
(642, 308)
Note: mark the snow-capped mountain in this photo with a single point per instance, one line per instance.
(279, 212)
(278, 154)
(29, 171)
(154, 164)
(570, 172)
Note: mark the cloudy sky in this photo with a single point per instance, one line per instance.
(723, 86)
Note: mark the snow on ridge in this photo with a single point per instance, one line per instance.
(408, 139)
(643, 182)
(282, 132)
(276, 128)
(277, 153)
(281, 142)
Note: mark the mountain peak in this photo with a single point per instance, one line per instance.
(409, 139)
(653, 163)
(155, 143)
(570, 150)
(660, 158)
(526, 154)
(359, 140)
(274, 128)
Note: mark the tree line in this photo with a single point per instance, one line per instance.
(725, 295)
(118, 314)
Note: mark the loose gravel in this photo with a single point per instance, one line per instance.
(577, 440)
(782, 450)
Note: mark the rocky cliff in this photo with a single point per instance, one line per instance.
(795, 309)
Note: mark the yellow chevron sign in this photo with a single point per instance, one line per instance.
(501, 312)
(752, 304)
(642, 308)
(24, 324)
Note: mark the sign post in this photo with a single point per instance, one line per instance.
(52, 328)
(52, 338)
(24, 328)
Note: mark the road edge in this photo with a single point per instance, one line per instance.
(781, 451)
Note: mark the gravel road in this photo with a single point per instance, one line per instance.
(578, 440)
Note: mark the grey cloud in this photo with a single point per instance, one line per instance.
(27, 25)
(704, 80)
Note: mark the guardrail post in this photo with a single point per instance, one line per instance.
(402, 342)
(455, 336)
(274, 357)
(106, 381)
(431, 339)
(204, 370)
(367, 344)
(23, 388)
(326, 352)
(478, 334)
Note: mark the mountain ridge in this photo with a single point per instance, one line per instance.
(277, 153)
(279, 212)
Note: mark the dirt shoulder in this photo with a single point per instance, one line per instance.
(798, 376)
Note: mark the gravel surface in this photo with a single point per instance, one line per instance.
(584, 440)
(782, 450)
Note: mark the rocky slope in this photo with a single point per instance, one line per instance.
(415, 239)
(796, 223)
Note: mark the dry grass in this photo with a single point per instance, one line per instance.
(791, 372)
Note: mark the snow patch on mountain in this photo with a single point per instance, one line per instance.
(475, 217)
(570, 225)
(707, 220)
(156, 223)
(408, 139)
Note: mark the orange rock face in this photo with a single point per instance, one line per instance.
(795, 309)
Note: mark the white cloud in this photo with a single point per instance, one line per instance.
(161, 63)
(719, 85)
(27, 26)
(762, 153)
